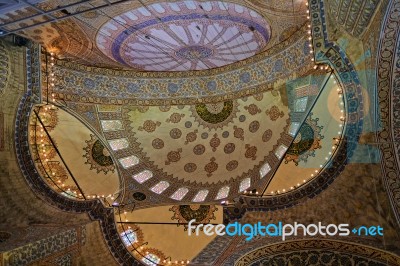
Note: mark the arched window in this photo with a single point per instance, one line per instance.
(129, 237)
(129, 161)
(151, 259)
(223, 193)
(143, 176)
(245, 184)
(280, 151)
(200, 196)
(111, 125)
(180, 193)
(264, 170)
(118, 144)
(160, 187)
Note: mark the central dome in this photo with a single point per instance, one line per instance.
(183, 36)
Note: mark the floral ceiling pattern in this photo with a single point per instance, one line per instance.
(208, 143)
(210, 109)
(220, 32)
(77, 83)
(186, 213)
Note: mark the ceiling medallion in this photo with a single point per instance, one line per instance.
(201, 213)
(195, 52)
(306, 142)
(215, 115)
(183, 35)
(98, 156)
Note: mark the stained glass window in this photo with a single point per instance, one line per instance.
(143, 176)
(111, 125)
(223, 193)
(245, 184)
(129, 161)
(200, 196)
(160, 187)
(151, 260)
(280, 151)
(180, 193)
(264, 170)
(118, 144)
(129, 237)
(301, 104)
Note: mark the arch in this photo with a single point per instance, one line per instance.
(320, 252)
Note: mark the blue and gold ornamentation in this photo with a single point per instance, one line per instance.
(186, 213)
(98, 156)
(306, 142)
(215, 115)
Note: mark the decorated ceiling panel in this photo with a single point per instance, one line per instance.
(256, 74)
(317, 252)
(194, 153)
(315, 141)
(157, 148)
(168, 242)
(353, 16)
(157, 35)
(70, 157)
(203, 152)
(209, 143)
(183, 36)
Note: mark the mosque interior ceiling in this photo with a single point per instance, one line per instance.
(148, 114)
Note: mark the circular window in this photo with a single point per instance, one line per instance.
(139, 196)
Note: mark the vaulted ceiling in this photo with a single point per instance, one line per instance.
(158, 36)
(163, 106)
